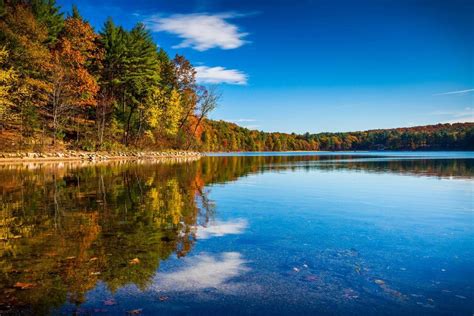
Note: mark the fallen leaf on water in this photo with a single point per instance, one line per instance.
(311, 278)
(110, 302)
(100, 310)
(350, 294)
(135, 312)
(23, 286)
(134, 261)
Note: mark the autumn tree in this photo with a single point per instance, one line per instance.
(163, 112)
(25, 39)
(207, 103)
(185, 75)
(8, 79)
(73, 85)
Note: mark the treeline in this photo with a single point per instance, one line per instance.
(224, 136)
(63, 83)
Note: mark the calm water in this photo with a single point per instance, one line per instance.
(293, 233)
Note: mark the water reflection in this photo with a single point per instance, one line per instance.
(221, 228)
(65, 227)
(203, 271)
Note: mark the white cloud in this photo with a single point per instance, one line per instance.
(200, 31)
(215, 75)
(456, 92)
(203, 271)
(220, 228)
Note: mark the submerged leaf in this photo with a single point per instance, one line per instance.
(23, 286)
(134, 261)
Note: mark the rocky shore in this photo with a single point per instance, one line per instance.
(94, 156)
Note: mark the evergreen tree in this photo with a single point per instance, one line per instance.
(48, 13)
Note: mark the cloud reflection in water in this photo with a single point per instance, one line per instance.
(221, 228)
(204, 271)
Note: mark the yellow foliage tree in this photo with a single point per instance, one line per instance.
(164, 111)
(7, 79)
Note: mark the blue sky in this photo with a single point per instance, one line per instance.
(297, 66)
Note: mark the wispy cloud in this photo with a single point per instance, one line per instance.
(242, 120)
(457, 116)
(251, 126)
(203, 271)
(456, 92)
(200, 31)
(455, 113)
(221, 228)
(467, 119)
(215, 75)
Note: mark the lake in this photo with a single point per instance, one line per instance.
(374, 233)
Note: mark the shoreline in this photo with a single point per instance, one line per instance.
(72, 155)
(94, 156)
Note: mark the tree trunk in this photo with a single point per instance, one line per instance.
(127, 132)
(54, 125)
(194, 132)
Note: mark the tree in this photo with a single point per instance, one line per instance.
(47, 13)
(141, 73)
(25, 39)
(208, 102)
(113, 43)
(185, 75)
(164, 111)
(73, 86)
(8, 79)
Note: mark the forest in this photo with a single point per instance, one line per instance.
(224, 136)
(64, 85)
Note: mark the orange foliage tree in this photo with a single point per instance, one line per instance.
(74, 87)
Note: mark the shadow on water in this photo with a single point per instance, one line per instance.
(64, 227)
